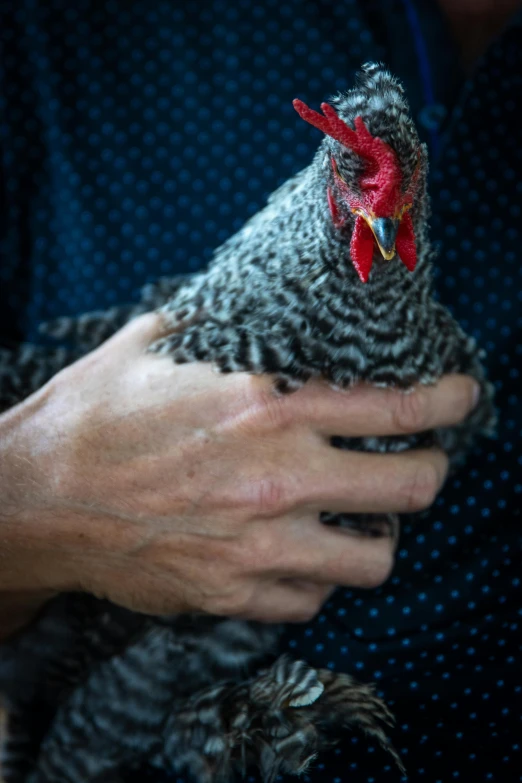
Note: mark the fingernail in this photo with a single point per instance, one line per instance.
(476, 394)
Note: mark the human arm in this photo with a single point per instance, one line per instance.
(170, 488)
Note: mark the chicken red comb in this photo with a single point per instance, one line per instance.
(387, 174)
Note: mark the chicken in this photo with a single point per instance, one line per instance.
(331, 280)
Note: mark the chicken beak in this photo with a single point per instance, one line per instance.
(385, 232)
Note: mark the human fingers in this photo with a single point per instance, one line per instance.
(287, 600)
(313, 552)
(360, 482)
(366, 410)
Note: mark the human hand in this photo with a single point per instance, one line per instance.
(169, 488)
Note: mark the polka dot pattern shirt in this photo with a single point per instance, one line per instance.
(136, 136)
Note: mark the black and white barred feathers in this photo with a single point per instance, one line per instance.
(95, 691)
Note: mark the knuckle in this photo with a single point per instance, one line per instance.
(266, 411)
(422, 487)
(274, 410)
(411, 413)
(270, 496)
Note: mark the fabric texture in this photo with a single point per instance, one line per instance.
(136, 136)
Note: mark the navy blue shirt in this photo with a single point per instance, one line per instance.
(136, 136)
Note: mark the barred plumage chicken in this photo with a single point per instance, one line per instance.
(331, 280)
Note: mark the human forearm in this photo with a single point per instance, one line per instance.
(25, 582)
(17, 498)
